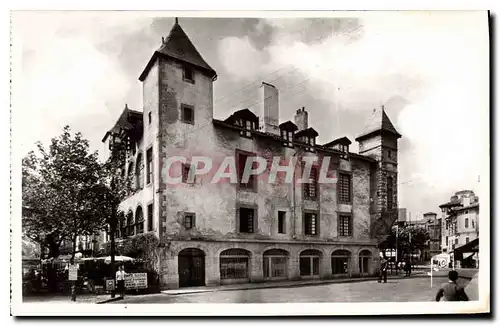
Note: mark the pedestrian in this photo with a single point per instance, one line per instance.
(92, 278)
(407, 268)
(383, 270)
(120, 280)
(451, 291)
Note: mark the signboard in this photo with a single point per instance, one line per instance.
(136, 281)
(110, 285)
(73, 272)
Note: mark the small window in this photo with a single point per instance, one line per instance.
(456, 240)
(149, 166)
(248, 126)
(188, 75)
(466, 212)
(344, 188)
(189, 221)
(311, 224)
(466, 239)
(186, 169)
(281, 221)
(447, 240)
(472, 223)
(150, 217)
(240, 168)
(247, 220)
(187, 114)
(149, 118)
(345, 226)
(389, 154)
(311, 189)
(466, 223)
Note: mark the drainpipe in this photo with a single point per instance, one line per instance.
(294, 199)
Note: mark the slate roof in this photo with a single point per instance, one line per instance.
(309, 132)
(288, 125)
(128, 120)
(178, 46)
(242, 114)
(378, 122)
(343, 141)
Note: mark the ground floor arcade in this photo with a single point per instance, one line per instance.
(199, 263)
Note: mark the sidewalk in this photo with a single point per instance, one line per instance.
(59, 298)
(280, 284)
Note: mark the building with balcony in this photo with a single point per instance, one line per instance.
(249, 230)
(460, 220)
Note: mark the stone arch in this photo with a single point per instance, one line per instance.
(270, 247)
(275, 263)
(341, 261)
(235, 265)
(130, 174)
(309, 247)
(176, 250)
(139, 219)
(128, 224)
(191, 267)
(310, 262)
(139, 171)
(365, 257)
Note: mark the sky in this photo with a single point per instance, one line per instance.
(429, 70)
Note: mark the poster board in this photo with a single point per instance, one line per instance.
(73, 272)
(136, 281)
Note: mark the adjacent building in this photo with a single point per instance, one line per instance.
(460, 220)
(253, 231)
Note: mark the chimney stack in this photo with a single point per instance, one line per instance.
(301, 119)
(270, 114)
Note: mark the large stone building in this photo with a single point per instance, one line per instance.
(433, 227)
(224, 232)
(460, 220)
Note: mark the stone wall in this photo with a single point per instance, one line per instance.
(256, 249)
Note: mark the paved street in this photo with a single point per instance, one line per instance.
(395, 290)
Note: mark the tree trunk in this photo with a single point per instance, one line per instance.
(53, 247)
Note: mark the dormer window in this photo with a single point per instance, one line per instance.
(248, 126)
(244, 119)
(308, 137)
(188, 74)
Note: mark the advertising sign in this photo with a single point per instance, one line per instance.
(110, 285)
(73, 272)
(136, 281)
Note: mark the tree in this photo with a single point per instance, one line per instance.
(59, 198)
(406, 239)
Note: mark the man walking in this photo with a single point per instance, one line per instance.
(120, 280)
(383, 269)
(451, 291)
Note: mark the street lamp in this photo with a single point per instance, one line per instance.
(117, 147)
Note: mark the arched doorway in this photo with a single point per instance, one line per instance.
(234, 266)
(191, 267)
(309, 263)
(341, 262)
(275, 264)
(365, 258)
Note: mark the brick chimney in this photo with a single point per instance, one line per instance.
(270, 112)
(301, 119)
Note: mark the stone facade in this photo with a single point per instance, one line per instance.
(212, 210)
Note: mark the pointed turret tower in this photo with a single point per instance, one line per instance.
(177, 101)
(380, 142)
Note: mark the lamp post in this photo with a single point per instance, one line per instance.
(117, 147)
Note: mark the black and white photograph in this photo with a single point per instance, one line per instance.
(197, 163)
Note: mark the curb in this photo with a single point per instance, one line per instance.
(274, 286)
(110, 300)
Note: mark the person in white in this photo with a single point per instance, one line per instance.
(120, 280)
